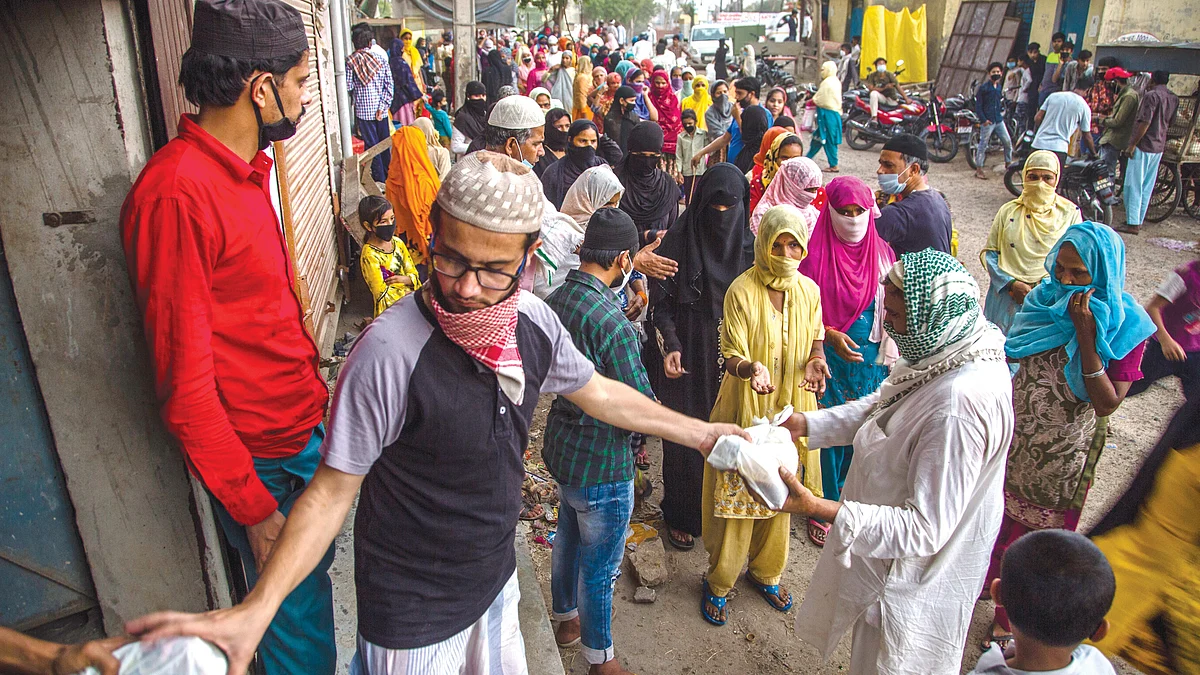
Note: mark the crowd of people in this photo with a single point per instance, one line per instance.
(574, 230)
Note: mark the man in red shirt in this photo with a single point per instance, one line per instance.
(235, 370)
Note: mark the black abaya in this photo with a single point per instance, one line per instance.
(686, 313)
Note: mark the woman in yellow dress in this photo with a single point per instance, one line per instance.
(385, 262)
(1152, 540)
(699, 101)
(771, 339)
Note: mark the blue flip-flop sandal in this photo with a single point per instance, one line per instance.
(707, 598)
(769, 592)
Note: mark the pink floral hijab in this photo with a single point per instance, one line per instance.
(789, 187)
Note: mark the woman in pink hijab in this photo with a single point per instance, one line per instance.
(847, 258)
(538, 74)
(795, 184)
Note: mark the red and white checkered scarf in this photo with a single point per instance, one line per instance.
(489, 335)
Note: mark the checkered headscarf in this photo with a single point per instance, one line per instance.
(942, 300)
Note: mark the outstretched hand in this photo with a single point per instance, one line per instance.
(652, 264)
(96, 654)
(715, 431)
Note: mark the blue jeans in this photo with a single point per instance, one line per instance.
(985, 138)
(300, 637)
(587, 554)
(1140, 174)
(373, 131)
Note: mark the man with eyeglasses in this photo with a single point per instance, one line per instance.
(430, 419)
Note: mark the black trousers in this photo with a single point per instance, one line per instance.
(1155, 367)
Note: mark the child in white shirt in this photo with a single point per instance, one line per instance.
(1057, 587)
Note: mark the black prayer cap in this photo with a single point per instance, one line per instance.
(610, 229)
(476, 88)
(908, 144)
(624, 92)
(248, 30)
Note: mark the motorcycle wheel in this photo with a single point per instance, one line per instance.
(853, 138)
(1092, 208)
(1013, 180)
(943, 149)
(972, 143)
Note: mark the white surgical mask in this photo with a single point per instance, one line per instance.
(850, 229)
(624, 279)
(881, 68)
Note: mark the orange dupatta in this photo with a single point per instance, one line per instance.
(412, 185)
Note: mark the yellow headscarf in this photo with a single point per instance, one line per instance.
(412, 57)
(746, 332)
(771, 160)
(1026, 228)
(699, 101)
(583, 87)
(829, 93)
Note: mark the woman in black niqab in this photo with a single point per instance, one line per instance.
(709, 242)
(561, 175)
(471, 118)
(651, 196)
(497, 75)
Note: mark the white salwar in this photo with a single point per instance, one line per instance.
(906, 557)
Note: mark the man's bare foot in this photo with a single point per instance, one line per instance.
(567, 633)
(612, 667)
(980, 174)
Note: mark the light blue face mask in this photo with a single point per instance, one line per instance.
(687, 87)
(890, 183)
(526, 163)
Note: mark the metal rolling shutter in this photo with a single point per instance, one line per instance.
(307, 187)
(170, 33)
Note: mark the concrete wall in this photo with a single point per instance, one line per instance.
(1175, 21)
(75, 135)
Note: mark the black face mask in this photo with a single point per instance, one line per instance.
(280, 130)
(556, 139)
(743, 102)
(996, 77)
(689, 128)
(476, 105)
(641, 165)
(385, 232)
(581, 157)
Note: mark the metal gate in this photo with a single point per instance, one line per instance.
(42, 563)
(982, 34)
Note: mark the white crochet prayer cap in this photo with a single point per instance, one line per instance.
(493, 192)
(517, 112)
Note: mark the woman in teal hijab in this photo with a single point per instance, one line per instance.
(624, 67)
(1079, 339)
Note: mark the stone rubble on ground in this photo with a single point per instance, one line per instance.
(644, 595)
(649, 563)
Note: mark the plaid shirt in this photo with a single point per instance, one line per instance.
(580, 450)
(372, 97)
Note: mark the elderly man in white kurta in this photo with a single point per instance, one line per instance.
(908, 547)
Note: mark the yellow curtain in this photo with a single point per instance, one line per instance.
(895, 36)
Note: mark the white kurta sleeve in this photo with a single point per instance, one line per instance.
(459, 143)
(948, 454)
(836, 426)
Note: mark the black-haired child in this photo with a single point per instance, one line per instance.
(386, 264)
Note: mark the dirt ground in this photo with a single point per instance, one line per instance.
(669, 636)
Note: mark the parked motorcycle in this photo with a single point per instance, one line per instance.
(1087, 182)
(925, 120)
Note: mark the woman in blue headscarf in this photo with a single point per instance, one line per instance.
(1079, 339)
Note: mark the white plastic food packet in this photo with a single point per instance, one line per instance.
(758, 462)
(170, 656)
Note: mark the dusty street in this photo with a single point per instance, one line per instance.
(669, 636)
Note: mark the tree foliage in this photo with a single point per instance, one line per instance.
(630, 12)
(554, 11)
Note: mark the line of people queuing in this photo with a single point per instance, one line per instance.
(928, 473)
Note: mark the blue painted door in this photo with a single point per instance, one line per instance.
(1073, 21)
(43, 569)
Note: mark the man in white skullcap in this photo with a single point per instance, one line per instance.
(430, 419)
(515, 127)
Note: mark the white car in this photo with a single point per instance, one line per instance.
(705, 37)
